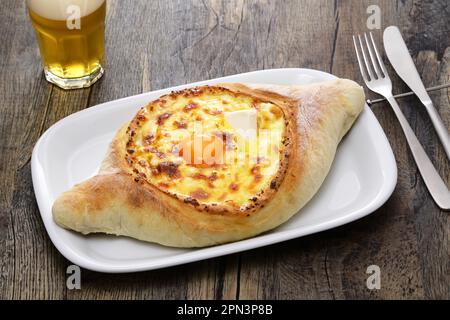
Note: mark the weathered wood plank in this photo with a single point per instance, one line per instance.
(211, 279)
(24, 95)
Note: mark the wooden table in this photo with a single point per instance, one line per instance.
(158, 44)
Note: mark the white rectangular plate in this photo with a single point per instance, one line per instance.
(362, 178)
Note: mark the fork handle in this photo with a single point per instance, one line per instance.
(433, 181)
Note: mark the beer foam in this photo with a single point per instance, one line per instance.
(58, 9)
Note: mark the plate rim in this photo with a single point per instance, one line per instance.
(197, 254)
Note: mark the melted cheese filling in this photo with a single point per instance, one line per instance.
(250, 162)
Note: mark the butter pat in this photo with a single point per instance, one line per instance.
(244, 122)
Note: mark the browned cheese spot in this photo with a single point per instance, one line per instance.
(199, 194)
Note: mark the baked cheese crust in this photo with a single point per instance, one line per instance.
(249, 170)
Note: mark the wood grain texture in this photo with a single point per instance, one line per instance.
(157, 44)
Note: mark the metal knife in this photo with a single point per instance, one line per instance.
(401, 61)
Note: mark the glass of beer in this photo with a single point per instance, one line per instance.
(71, 36)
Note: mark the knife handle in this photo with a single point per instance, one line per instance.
(439, 126)
(433, 181)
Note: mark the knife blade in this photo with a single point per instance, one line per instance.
(398, 54)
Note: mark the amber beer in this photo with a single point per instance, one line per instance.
(71, 40)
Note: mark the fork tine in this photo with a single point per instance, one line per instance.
(372, 57)
(366, 61)
(361, 67)
(380, 61)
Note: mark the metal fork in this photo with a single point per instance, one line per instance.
(377, 79)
